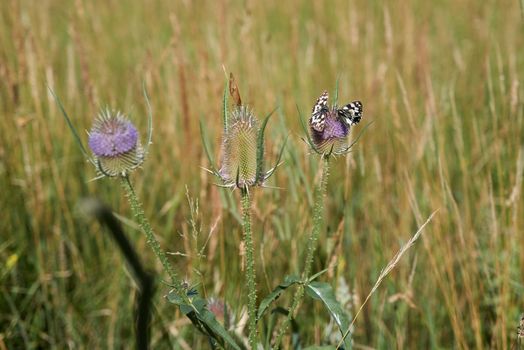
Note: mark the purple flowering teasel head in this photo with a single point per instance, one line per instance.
(115, 144)
(330, 126)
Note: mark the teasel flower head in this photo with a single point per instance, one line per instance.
(329, 126)
(242, 163)
(113, 140)
(239, 149)
(115, 144)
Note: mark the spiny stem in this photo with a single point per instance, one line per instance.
(318, 220)
(138, 212)
(250, 269)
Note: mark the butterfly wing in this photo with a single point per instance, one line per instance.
(319, 112)
(351, 113)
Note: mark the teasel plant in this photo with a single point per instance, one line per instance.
(116, 151)
(327, 137)
(243, 168)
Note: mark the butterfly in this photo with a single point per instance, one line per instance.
(349, 114)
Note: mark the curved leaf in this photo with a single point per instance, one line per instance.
(224, 106)
(203, 319)
(260, 147)
(149, 118)
(271, 297)
(277, 163)
(308, 139)
(208, 318)
(324, 292)
(71, 126)
(203, 136)
(335, 99)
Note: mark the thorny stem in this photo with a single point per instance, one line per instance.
(138, 212)
(250, 268)
(318, 220)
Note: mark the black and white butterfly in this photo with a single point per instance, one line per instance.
(349, 114)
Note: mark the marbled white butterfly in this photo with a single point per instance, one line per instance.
(350, 114)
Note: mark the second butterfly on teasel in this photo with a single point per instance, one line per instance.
(350, 114)
(330, 126)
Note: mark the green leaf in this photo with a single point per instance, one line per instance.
(205, 320)
(317, 275)
(360, 134)
(174, 298)
(335, 99)
(272, 170)
(71, 127)
(208, 318)
(224, 106)
(324, 292)
(320, 347)
(206, 149)
(260, 147)
(271, 297)
(309, 141)
(149, 119)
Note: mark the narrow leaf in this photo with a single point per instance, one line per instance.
(324, 292)
(272, 170)
(198, 309)
(336, 92)
(304, 128)
(318, 274)
(275, 294)
(206, 149)
(149, 119)
(360, 134)
(208, 318)
(260, 147)
(224, 107)
(71, 127)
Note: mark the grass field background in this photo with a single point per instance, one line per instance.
(442, 82)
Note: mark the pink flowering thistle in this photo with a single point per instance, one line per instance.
(329, 127)
(114, 141)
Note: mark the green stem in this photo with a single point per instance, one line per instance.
(318, 221)
(138, 212)
(250, 269)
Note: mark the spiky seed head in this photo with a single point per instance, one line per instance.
(239, 147)
(113, 139)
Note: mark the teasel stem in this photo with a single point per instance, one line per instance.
(138, 212)
(250, 268)
(318, 220)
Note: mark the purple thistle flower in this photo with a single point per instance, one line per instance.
(115, 145)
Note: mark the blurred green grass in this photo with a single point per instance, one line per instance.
(442, 82)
